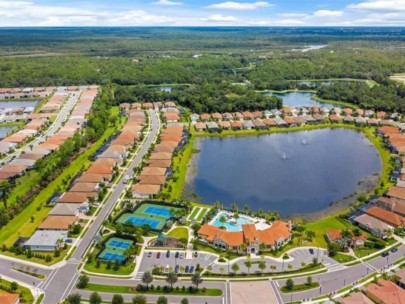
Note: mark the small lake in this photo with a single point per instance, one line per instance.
(5, 130)
(295, 173)
(17, 104)
(300, 99)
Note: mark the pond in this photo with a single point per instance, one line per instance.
(294, 173)
(5, 130)
(300, 99)
(17, 104)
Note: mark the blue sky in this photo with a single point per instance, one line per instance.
(202, 13)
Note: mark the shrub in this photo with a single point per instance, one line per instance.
(204, 290)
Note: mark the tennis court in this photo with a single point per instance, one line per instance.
(114, 249)
(153, 215)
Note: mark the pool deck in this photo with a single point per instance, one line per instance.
(260, 223)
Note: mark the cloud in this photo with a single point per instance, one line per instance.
(14, 4)
(327, 13)
(240, 6)
(167, 3)
(379, 5)
(219, 18)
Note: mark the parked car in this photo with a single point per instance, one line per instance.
(395, 249)
(385, 254)
(177, 255)
(181, 255)
(311, 251)
(68, 241)
(158, 255)
(168, 254)
(149, 254)
(176, 269)
(186, 269)
(167, 268)
(191, 269)
(195, 254)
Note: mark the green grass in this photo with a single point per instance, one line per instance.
(364, 252)
(130, 289)
(25, 293)
(202, 214)
(343, 258)
(21, 224)
(299, 287)
(37, 260)
(123, 270)
(179, 232)
(41, 297)
(194, 213)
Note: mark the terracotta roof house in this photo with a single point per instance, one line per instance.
(381, 115)
(9, 298)
(259, 124)
(374, 226)
(153, 171)
(99, 169)
(205, 117)
(319, 117)
(164, 148)
(160, 155)
(200, 126)
(347, 111)
(216, 116)
(170, 104)
(171, 117)
(386, 216)
(359, 112)
(91, 178)
(73, 198)
(147, 105)
(355, 298)
(397, 193)
(58, 222)
(227, 116)
(290, 120)
(372, 122)
(335, 118)
(392, 204)
(236, 125)
(85, 187)
(225, 125)
(269, 122)
(145, 190)
(385, 292)
(278, 234)
(160, 163)
(280, 122)
(386, 122)
(401, 277)
(335, 236)
(237, 115)
(257, 114)
(348, 119)
(152, 179)
(247, 115)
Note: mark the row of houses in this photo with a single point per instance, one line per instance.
(169, 111)
(158, 167)
(30, 155)
(84, 190)
(262, 121)
(15, 93)
(382, 292)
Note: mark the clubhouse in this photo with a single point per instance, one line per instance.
(276, 236)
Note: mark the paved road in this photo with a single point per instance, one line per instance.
(59, 284)
(333, 281)
(61, 118)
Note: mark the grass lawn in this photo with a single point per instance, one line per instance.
(25, 293)
(343, 258)
(123, 270)
(179, 232)
(202, 247)
(21, 224)
(130, 289)
(299, 287)
(37, 260)
(202, 214)
(363, 252)
(194, 213)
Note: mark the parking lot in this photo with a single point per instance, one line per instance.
(153, 258)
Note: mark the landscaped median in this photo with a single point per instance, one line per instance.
(158, 290)
(299, 287)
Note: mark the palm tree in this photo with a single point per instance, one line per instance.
(234, 207)
(196, 279)
(262, 266)
(243, 247)
(235, 267)
(260, 213)
(246, 209)
(217, 205)
(248, 264)
(236, 216)
(222, 270)
(222, 220)
(171, 279)
(273, 267)
(5, 190)
(147, 278)
(289, 266)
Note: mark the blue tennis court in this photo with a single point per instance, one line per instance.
(161, 211)
(118, 244)
(143, 221)
(110, 256)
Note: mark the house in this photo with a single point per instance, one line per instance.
(269, 122)
(348, 119)
(217, 116)
(212, 126)
(85, 187)
(247, 115)
(73, 198)
(355, 298)
(290, 121)
(68, 209)
(46, 240)
(205, 117)
(309, 119)
(397, 193)
(145, 191)
(392, 205)
(347, 111)
(238, 115)
(152, 179)
(267, 114)
(401, 277)
(91, 178)
(147, 105)
(200, 126)
(225, 125)
(372, 122)
(171, 117)
(335, 118)
(194, 117)
(386, 216)
(58, 222)
(319, 118)
(351, 240)
(360, 121)
(359, 112)
(236, 125)
(381, 115)
(153, 171)
(247, 124)
(368, 113)
(227, 116)
(280, 122)
(257, 114)
(385, 292)
(160, 155)
(259, 124)
(160, 163)
(278, 234)
(376, 227)
(9, 298)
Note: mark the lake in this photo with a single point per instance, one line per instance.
(293, 173)
(17, 104)
(300, 99)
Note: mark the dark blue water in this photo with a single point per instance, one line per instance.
(300, 99)
(5, 130)
(299, 172)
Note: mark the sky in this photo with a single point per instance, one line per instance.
(202, 13)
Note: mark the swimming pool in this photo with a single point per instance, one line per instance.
(231, 224)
